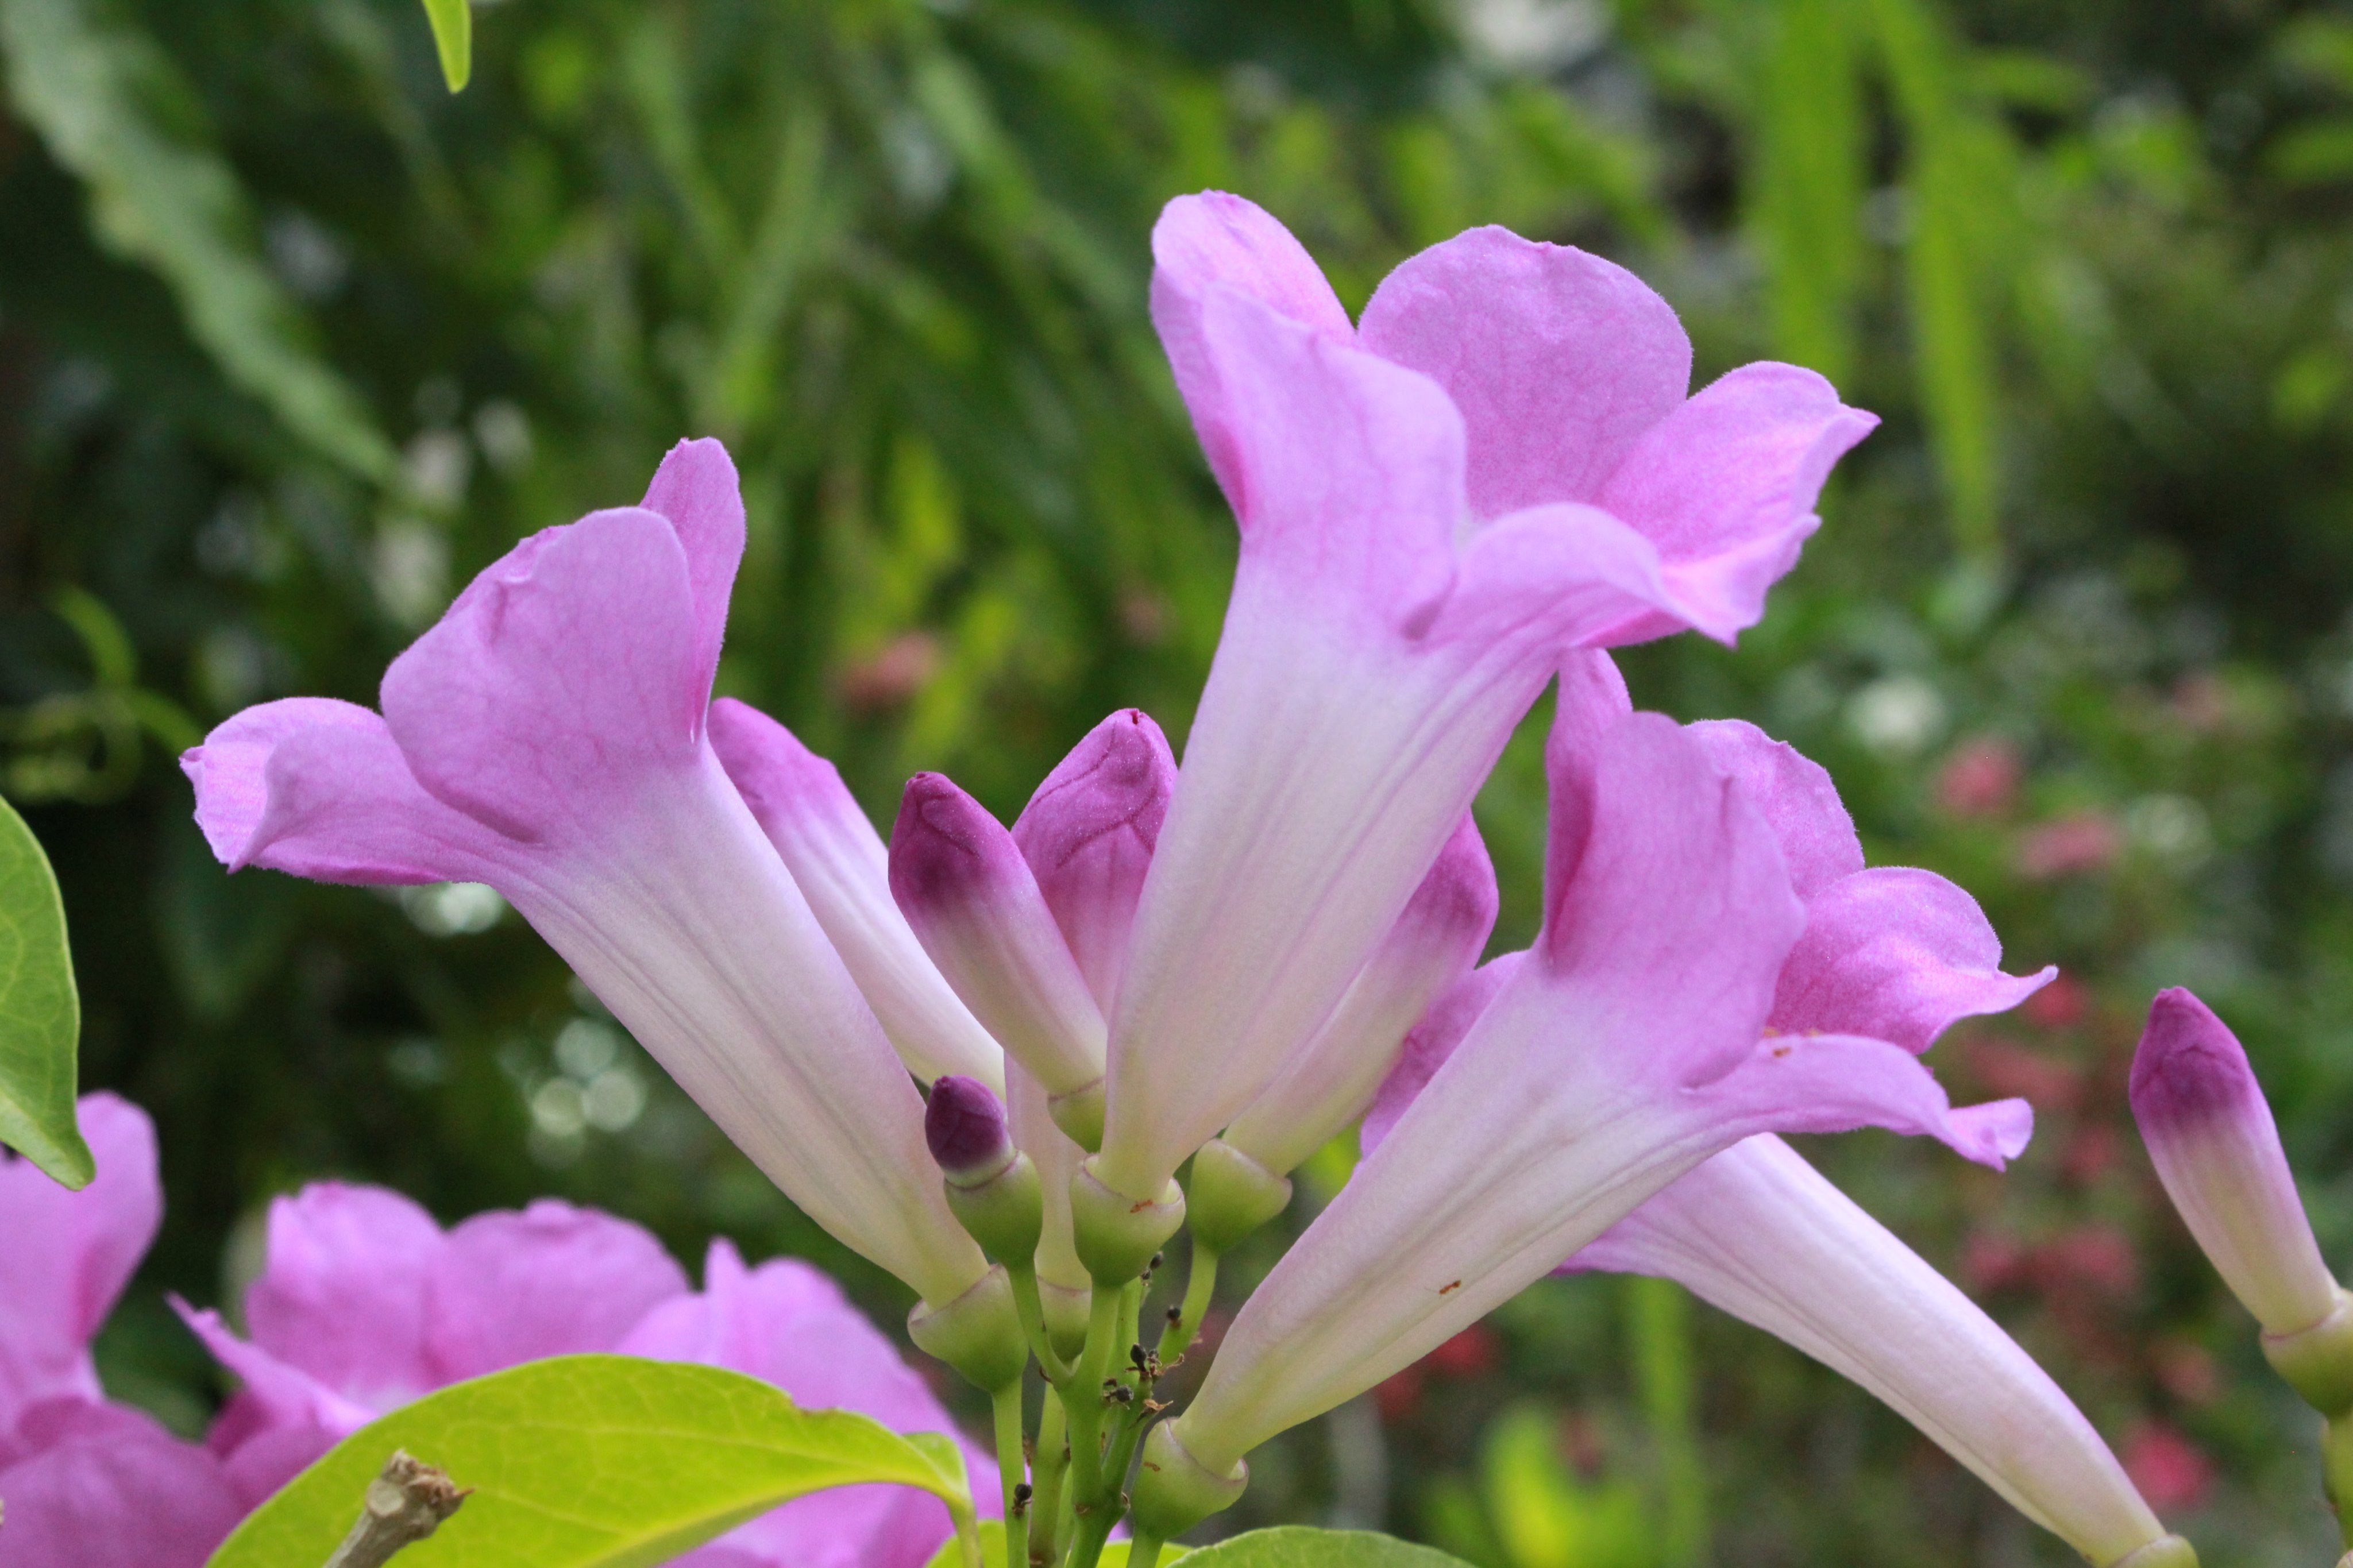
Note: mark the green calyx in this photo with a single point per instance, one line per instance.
(1079, 1115)
(1066, 1309)
(1005, 1213)
(1174, 1491)
(1116, 1235)
(2166, 1551)
(2317, 1361)
(1231, 1196)
(978, 1334)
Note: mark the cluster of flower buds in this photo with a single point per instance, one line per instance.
(1495, 475)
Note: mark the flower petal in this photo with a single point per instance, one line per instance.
(317, 788)
(1216, 240)
(277, 1393)
(70, 1254)
(1757, 1232)
(696, 490)
(1036, 1133)
(1799, 802)
(1837, 1083)
(1088, 834)
(972, 902)
(554, 1279)
(558, 678)
(1897, 954)
(116, 1489)
(1558, 360)
(841, 867)
(1331, 1078)
(1431, 1041)
(342, 1294)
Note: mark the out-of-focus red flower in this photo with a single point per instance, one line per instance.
(2095, 1259)
(1471, 1353)
(1981, 778)
(892, 673)
(2168, 1468)
(1992, 1260)
(2007, 1069)
(1581, 1443)
(2070, 846)
(2060, 1005)
(2090, 1152)
(1399, 1395)
(2185, 1370)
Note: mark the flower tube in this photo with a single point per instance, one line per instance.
(1759, 1233)
(1500, 465)
(973, 903)
(839, 864)
(1629, 1046)
(547, 737)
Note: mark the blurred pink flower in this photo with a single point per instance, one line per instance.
(365, 1304)
(1981, 778)
(2168, 1468)
(2069, 847)
(89, 1484)
(2062, 1004)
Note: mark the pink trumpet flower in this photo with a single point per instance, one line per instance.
(1631, 1044)
(365, 1304)
(86, 1482)
(2211, 1134)
(1498, 463)
(547, 737)
(1759, 1233)
(839, 864)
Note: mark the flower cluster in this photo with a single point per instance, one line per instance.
(1471, 493)
(364, 1303)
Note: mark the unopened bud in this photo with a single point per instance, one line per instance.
(2164, 1552)
(992, 1187)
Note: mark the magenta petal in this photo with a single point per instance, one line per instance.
(696, 488)
(1837, 1083)
(1897, 954)
(277, 1394)
(1798, 801)
(562, 673)
(554, 1279)
(1214, 240)
(1431, 1042)
(317, 788)
(1088, 834)
(1558, 360)
(1741, 463)
(342, 1295)
(122, 1492)
(70, 1254)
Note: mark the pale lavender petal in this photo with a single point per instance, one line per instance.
(277, 1393)
(1332, 1079)
(839, 864)
(1799, 802)
(696, 490)
(961, 881)
(1837, 1083)
(1431, 1041)
(70, 1254)
(1757, 1232)
(1897, 954)
(554, 1279)
(342, 1296)
(1058, 1160)
(1088, 834)
(1558, 360)
(1741, 463)
(105, 1489)
(2211, 1134)
(1215, 240)
(317, 788)
(559, 677)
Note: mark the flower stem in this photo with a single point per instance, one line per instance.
(1200, 1284)
(1053, 1463)
(1143, 1551)
(1033, 1313)
(1082, 1399)
(1007, 1402)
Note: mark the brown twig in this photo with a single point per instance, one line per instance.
(405, 1504)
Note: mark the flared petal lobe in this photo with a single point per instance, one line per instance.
(1089, 833)
(839, 864)
(97, 1485)
(2210, 1132)
(1757, 1232)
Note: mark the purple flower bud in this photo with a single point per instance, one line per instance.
(1088, 834)
(2216, 1149)
(965, 1126)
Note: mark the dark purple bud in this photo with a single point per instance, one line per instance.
(965, 1126)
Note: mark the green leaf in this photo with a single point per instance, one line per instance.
(992, 1550)
(1297, 1546)
(41, 1014)
(113, 108)
(595, 1461)
(453, 35)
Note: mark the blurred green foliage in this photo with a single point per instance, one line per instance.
(293, 340)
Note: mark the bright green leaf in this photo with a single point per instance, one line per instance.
(595, 1461)
(453, 35)
(1296, 1546)
(113, 108)
(992, 1550)
(41, 1014)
